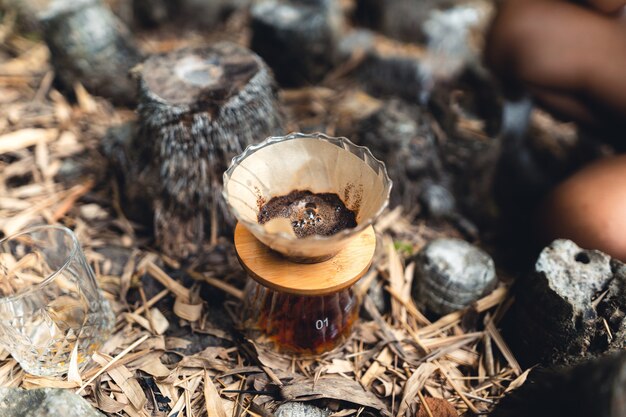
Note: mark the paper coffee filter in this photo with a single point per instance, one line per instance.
(317, 163)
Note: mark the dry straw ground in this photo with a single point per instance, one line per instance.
(170, 355)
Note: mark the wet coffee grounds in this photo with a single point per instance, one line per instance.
(310, 213)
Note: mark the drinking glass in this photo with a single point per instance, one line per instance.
(50, 306)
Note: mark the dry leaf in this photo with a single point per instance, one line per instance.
(214, 407)
(332, 388)
(414, 384)
(73, 374)
(125, 380)
(519, 381)
(339, 366)
(377, 368)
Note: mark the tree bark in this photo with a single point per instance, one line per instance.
(198, 108)
(298, 39)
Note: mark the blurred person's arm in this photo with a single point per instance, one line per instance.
(571, 58)
(607, 6)
(610, 7)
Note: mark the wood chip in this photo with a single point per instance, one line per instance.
(169, 283)
(106, 403)
(229, 289)
(519, 381)
(485, 303)
(20, 139)
(189, 312)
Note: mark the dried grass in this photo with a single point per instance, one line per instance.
(51, 171)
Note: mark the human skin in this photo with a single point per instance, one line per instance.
(583, 210)
(570, 56)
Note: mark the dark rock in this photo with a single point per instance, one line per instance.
(594, 388)
(151, 12)
(558, 316)
(455, 39)
(451, 274)
(532, 162)
(354, 41)
(469, 115)
(45, 402)
(380, 300)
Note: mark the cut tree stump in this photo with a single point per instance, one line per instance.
(198, 108)
(401, 135)
(90, 45)
(297, 38)
(384, 67)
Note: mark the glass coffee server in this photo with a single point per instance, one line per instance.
(299, 308)
(299, 297)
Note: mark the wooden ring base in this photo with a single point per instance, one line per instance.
(274, 271)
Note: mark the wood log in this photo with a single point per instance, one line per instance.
(297, 38)
(198, 108)
(89, 45)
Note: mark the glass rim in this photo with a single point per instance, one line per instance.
(72, 254)
(339, 141)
